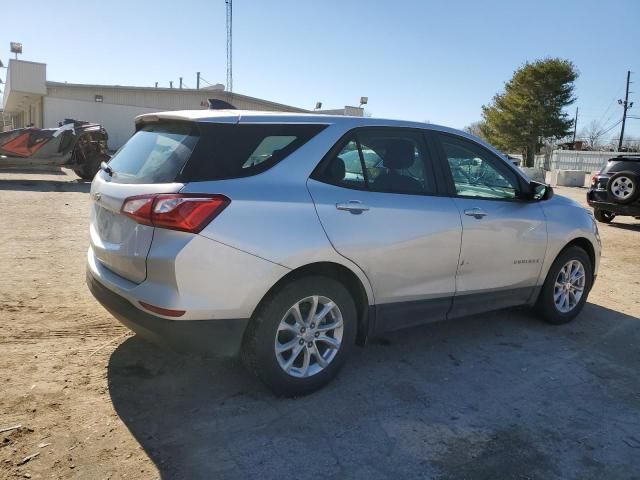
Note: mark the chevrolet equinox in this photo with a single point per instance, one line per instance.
(289, 238)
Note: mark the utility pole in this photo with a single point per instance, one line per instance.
(229, 45)
(197, 80)
(180, 83)
(626, 106)
(575, 127)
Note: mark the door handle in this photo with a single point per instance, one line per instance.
(353, 206)
(477, 213)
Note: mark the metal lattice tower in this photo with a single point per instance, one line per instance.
(229, 45)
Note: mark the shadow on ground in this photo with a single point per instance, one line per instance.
(634, 227)
(37, 185)
(491, 396)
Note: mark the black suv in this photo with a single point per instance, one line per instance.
(616, 189)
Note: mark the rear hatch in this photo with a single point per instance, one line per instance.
(161, 158)
(150, 162)
(614, 165)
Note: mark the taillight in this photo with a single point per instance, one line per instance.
(594, 179)
(185, 212)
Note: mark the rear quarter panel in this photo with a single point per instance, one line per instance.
(276, 221)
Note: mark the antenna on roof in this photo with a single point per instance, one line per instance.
(215, 104)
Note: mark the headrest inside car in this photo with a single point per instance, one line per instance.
(400, 153)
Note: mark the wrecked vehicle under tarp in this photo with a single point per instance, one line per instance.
(78, 145)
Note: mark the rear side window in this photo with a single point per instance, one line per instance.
(234, 151)
(182, 151)
(617, 165)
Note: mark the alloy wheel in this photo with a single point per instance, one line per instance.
(569, 286)
(622, 187)
(309, 336)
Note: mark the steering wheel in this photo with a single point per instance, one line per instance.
(480, 173)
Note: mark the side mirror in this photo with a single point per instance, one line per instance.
(540, 191)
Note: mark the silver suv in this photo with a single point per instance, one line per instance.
(290, 238)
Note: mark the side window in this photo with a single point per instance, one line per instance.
(345, 168)
(477, 173)
(395, 161)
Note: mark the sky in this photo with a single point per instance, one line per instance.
(436, 61)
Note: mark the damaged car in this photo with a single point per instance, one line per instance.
(81, 146)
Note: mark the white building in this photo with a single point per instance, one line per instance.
(29, 99)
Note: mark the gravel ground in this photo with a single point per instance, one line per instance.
(492, 396)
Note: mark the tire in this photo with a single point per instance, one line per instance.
(623, 187)
(546, 305)
(603, 216)
(88, 169)
(266, 330)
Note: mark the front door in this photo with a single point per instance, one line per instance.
(376, 199)
(504, 237)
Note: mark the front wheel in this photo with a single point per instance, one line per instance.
(566, 287)
(301, 336)
(603, 216)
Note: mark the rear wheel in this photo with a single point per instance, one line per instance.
(301, 336)
(623, 187)
(603, 216)
(566, 287)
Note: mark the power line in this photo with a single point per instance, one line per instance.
(612, 127)
(202, 79)
(607, 110)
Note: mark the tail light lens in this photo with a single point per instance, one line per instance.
(184, 212)
(594, 179)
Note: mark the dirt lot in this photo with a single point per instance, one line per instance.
(490, 396)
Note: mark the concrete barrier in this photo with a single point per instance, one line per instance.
(571, 178)
(568, 178)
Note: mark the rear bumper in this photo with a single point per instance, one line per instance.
(221, 337)
(598, 199)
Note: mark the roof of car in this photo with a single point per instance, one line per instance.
(255, 116)
(630, 157)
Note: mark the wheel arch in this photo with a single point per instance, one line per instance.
(580, 242)
(346, 277)
(586, 245)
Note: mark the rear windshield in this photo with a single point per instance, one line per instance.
(155, 154)
(615, 165)
(188, 152)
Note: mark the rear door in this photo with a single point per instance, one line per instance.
(150, 162)
(377, 199)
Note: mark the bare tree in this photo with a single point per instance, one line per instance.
(632, 144)
(475, 128)
(592, 133)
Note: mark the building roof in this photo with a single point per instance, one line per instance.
(214, 93)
